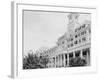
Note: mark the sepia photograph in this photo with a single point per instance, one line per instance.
(56, 39)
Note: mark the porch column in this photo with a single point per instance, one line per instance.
(55, 61)
(58, 60)
(61, 60)
(73, 54)
(67, 59)
(87, 57)
(81, 54)
(64, 61)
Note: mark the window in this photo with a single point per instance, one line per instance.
(82, 33)
(78, 35)
(70, 55)
(68, 40)
(75, 42)
(63, 42)
(83, 26)
(66, 56)
(68, 46)
(75, 30)
(71, 44)
(85, 32)
(84, 39)
(89, 30)
(79, 40)
(70, 35)
(75, 36)
(79, 28)
(77, 53)
(84, 53)
(58, 44)
(71, 39)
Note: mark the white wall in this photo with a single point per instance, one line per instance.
(5, 38)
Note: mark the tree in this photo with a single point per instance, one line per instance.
(44, 60)
(32, 61)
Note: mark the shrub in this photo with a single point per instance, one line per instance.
(74, 62)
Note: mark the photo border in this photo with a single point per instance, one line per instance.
(16, 58)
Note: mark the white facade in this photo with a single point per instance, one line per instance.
(76, 42)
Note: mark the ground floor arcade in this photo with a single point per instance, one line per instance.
(63, 59)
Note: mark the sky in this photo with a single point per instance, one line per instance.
(42, 29)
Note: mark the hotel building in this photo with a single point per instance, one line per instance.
(76, 42)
